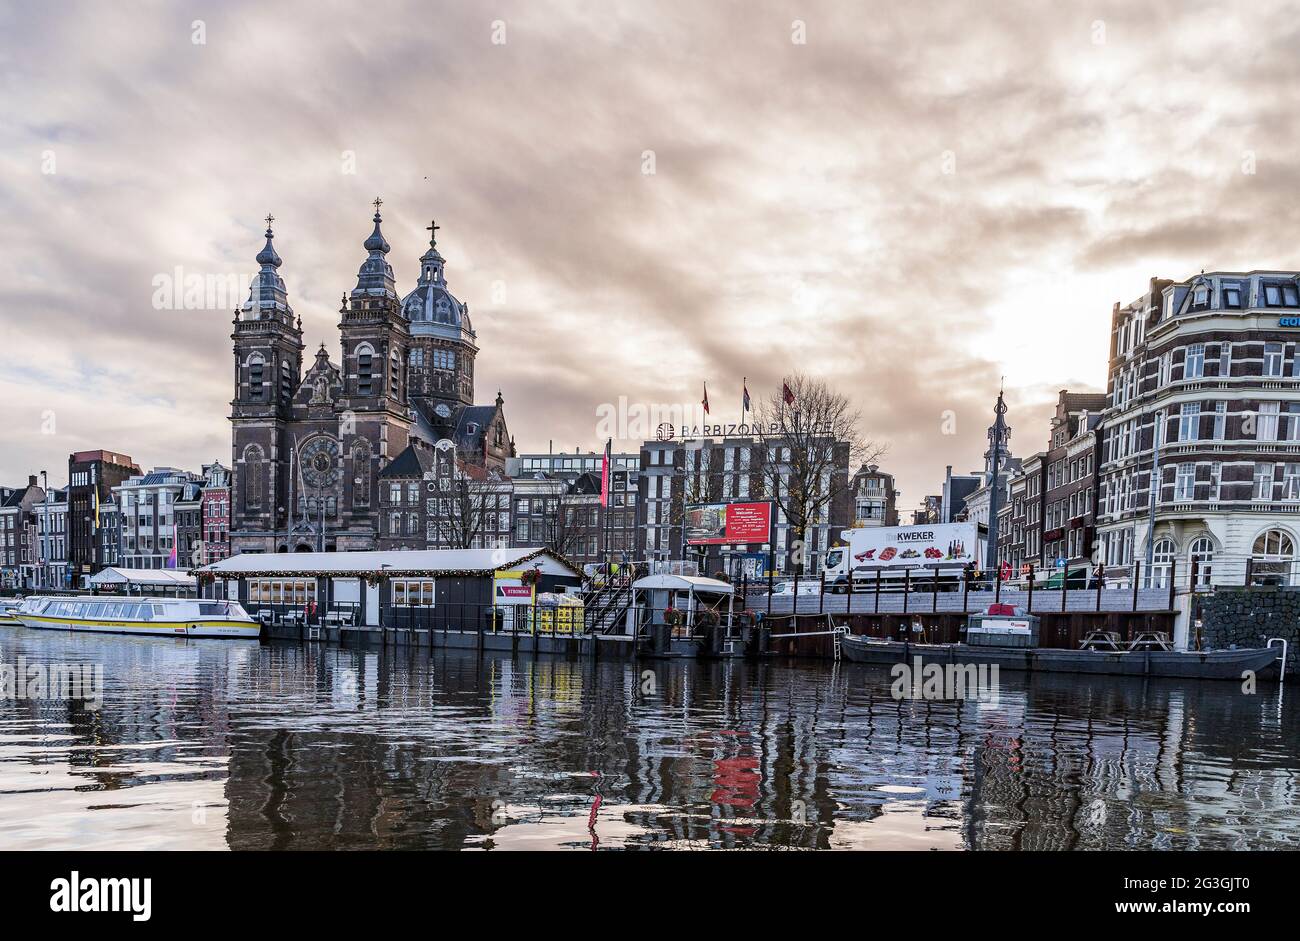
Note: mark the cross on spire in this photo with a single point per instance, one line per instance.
(269, 219)
(378, 202)
(432, 228)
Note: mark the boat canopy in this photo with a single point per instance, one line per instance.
(692, 583)
(420, 562)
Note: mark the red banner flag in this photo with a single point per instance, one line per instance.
(705, 400)
(787, 394)
(604, 474)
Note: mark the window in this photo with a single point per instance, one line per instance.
(1281, 295)
(1194, 365)
(1272, 360)
(256, 375)
(1201, 557)
(1291, 482)
(1266, 421)
(1165, 370)
(1263, 482)
(394, 493)
(1232, 295)
(1162, 558)
(1185, 482)
(1189, 422)
(1220, 420)
(1272, 558)
(1225, 359)
(1200, 296)
(365, 370)
(1216, 481)
(413, 592)
(361, 474)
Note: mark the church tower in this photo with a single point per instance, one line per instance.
(442, 340)
(268, 367)
(375, 417)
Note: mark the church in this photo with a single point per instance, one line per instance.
(308, 448)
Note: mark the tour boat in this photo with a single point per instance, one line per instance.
(154, 617)
(1192, 664)
(8, 610)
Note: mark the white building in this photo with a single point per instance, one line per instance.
(1212, 364)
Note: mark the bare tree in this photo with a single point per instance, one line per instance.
(812, 438)
(575, 518)
(467, 507)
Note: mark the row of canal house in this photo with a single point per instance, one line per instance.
(437, 590)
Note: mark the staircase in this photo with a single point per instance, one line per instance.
(605, 608)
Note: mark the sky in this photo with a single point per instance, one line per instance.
(913, 202)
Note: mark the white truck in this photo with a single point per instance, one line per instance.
(903, 556)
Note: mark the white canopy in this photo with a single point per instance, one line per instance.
(696, 583)
(142, 578)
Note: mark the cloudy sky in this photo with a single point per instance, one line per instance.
(910, 200)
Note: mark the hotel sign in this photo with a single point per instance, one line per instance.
(1288, 321)
(667, 432)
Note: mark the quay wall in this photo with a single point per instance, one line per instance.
(1249, 617)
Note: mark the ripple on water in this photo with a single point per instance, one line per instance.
(206, 744)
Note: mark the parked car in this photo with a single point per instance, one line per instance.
(808, 586)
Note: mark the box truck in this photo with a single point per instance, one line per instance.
(903, 555)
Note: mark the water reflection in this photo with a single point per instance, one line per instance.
(204, 744)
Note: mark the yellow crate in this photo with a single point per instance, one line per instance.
(561, 619)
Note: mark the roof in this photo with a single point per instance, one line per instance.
(412, 462)
(166, 578)
(683, 583)
(423, 562)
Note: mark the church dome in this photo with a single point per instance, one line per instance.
(431, 308)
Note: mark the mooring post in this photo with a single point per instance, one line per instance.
(1065, 586)
(1031, 591)
(1137, 580)
(877, 611)
(1173, 571)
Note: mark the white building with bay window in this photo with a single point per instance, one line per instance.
(1203, 415)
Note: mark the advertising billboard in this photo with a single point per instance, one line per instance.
(912, 546)
(714, 524)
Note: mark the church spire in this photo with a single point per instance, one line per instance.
(267, 295)
(376, 275)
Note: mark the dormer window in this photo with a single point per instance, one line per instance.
(1281, 295)
(1232, 295)
(1200, 297)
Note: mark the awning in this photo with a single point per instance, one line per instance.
(142, 578)
(696, 583)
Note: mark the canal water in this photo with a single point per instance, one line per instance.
(212, 744)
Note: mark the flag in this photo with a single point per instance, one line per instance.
(705, 400)
(604, 474)
(744, 402)
(171, 559)
(787, 394)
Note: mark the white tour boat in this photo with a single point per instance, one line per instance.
(182, 617)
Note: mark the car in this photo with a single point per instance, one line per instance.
(808, 586)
